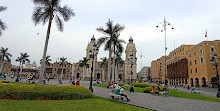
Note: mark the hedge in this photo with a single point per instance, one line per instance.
(142, 85)
(4, 81)
(30, 92)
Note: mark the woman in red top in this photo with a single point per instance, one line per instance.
(153, 90)
(77, 83)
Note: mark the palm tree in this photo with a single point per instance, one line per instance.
(111, 31)
(22, 59)
(47, 10)
(84, 64)
(104, 64)
(2, 24)
(18, 60)
(118, 61)
(62, 62)
(4, 54)
(117, 46)
(48, 60)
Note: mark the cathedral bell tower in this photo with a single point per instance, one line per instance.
(89, 50)
(130, 62)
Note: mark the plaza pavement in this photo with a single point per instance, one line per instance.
(159, 103)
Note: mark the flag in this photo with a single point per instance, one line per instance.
(206, 33)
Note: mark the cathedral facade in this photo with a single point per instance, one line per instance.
(124, 72)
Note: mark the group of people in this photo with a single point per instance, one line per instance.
(72, 82)
(156, 91)
(118, 90)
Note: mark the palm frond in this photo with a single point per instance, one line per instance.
(59, 23)
(101, 41)
(2, 27)
(2, 8)
(66, 12)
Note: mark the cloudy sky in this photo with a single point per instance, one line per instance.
(190, 18)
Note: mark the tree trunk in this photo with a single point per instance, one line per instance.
(83, 73)
(116, 72)
(21, 69)
(2, 64)
(109, 64)
(62, 73)
(113, 68)
(40, 82)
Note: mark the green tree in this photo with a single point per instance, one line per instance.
(22, 59)
(62, 62)
(117, 46)
(4, 54)
(48, 60)
(47, 10)
(84, 64)
(2, 24)
(111, 32)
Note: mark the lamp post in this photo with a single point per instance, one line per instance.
(216, 62)
(164, 27)
(92, 54)
(130, 60)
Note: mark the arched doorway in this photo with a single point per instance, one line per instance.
(214, 81)
(98, 76)
(197, 82)
(203, 82)
(191, 80)
(186, 82)
(120, 76)
(77, 75)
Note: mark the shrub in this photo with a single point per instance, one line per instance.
(142, 85)
(147, 89)
(4, 81)
(31, 92)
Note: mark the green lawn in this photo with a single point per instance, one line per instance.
(92, 104)
(176, 93)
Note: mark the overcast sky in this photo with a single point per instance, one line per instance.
(190, 18)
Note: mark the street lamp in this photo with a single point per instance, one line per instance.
(130, 60)
(164, 27)
(216, 62)
(92, 54)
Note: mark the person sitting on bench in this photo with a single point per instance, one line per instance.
(123, 94)
(158, 90)
(117, 91)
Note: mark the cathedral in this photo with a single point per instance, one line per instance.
(124, 72)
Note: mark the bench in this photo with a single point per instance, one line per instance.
(197, 92)
(116, 96)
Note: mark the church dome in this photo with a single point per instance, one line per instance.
(93, 38)
(131, 39)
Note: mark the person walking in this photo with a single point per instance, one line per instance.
(132, 88)
(188, 87)
(123, 94)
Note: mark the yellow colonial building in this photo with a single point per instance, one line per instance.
(197, 58)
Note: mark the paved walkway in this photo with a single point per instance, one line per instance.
(159, 103)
